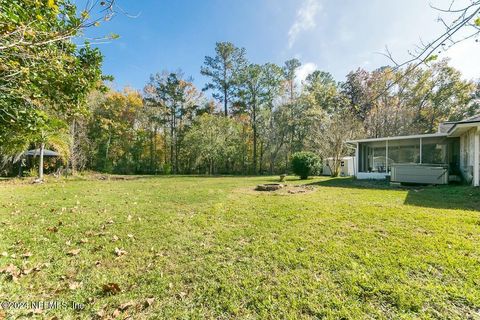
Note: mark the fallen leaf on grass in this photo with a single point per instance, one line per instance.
(120, 252)
(116, 313)
(111, 288)
(97, 248)
(83, 241)
(26, 255)
(115, 238)
(148, 302)
(34, 312)
(89, 233)
(181, 295)
(52, 229)
(122, 308)
(4, 254)
(125, 306)
(73, 252)
(27, 271)
(12, 272)
(74, 285)
(34, 269)
(100, 314)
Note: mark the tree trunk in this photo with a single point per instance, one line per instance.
(165, 145)
(73, 156)
(254, 141)
(225, 89)
(261, 158)
(225, 101)
(40, 166)
(172, 142)
(105, 165)
(152, 136)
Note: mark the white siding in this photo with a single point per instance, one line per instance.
(467, 147)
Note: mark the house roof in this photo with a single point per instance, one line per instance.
(446, 129)
(460, 127)
(474, 118)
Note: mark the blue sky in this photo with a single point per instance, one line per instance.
(332, 35)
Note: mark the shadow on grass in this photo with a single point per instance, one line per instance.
(440, 197)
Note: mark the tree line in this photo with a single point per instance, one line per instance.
(249, 118)
(260, 115)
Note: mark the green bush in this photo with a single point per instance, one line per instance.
(304, 164)
(167, 169)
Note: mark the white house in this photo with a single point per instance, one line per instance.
(451, 154)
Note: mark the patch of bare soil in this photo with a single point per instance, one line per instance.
(286, 190)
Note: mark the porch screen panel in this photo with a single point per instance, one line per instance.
(374, 156)
(435, 151)
(404, 151)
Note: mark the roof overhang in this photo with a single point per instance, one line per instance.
(460, 128)
(418, 136)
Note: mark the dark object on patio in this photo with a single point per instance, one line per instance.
(269, 187)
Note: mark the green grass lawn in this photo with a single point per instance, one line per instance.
(196, 247)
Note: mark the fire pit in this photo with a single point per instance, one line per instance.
(269, 187)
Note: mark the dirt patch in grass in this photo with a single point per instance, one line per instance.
(287, 190)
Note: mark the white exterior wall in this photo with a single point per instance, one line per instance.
(469, 155)
(466, 154)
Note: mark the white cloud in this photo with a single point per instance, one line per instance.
(304, 71)
(464, 57)
(305, 20)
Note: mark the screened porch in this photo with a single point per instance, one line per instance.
(377, 156)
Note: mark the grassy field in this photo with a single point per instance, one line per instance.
(196, 247)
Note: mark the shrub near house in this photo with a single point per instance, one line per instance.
(304, 164)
